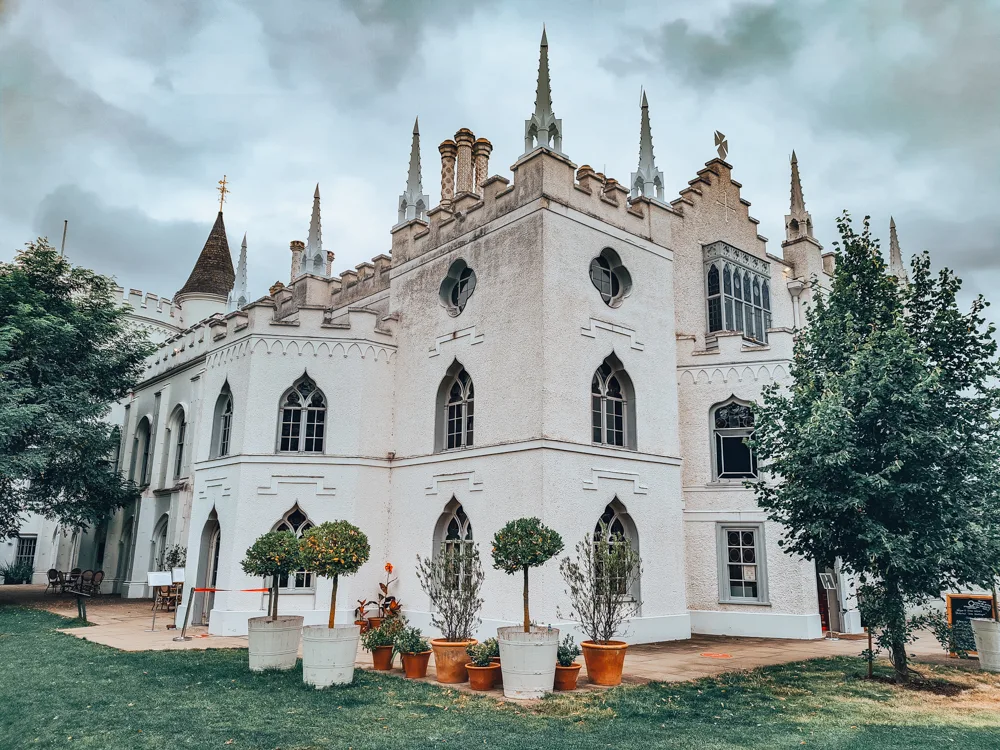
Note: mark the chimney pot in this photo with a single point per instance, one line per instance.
(448, 150)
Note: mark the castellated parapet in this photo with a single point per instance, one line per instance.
(541, 175)
(157, 314)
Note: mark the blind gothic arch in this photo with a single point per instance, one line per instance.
(302, 418)
(176, 443)
(612, 405)
(139, 466)
(454, 420)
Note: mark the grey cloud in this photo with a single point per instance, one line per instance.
(749, 41)
(121, 242)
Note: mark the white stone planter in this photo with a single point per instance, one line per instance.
(328, 654)
(274, 645)
(528, 661)
(987, 633)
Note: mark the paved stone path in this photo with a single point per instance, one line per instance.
(124, 624)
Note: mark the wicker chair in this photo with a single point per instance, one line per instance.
(54, 581)
(72, 581)
(165, 598)
(95, 583)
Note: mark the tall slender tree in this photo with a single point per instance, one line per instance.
(66, 353)
(883, 453)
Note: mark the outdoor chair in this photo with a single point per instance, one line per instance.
(85, 578)
(95, 583)
(165, 599)
(54, 581)
(72, 580)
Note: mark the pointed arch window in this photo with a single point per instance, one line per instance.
(298, 523)
(737, 292)
(178, 428)
(459, 411)
(714, 299)
(612, 405)
(732, 425)
(303, 418)
(141, 446)
(453, 538)
(222, 426)
(614, 527)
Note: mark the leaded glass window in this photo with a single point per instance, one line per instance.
(298, 523)
(608, 407)
(303, 419)
(460, 412)
(742, 566)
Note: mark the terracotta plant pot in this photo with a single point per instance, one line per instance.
(382, 658)
(415, 665)
(481, 678)
(363, 624)
(498, 675)
(374, 622)
(450, 660)
(566, 676)
(604, 661)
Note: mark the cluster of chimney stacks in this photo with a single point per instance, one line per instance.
(465, 163)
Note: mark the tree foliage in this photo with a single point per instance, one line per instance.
(67, 352)
(273, 555)
(333, 549)
(884, 450)
(524, 544)
(453, 580)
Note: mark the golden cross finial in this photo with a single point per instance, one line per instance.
(222, 192)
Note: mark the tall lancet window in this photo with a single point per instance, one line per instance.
(612, 405)
(453, 539)
(222, 426)
(737, 292)
(460, 412)
(714, 299)
(303, 418)
(615, 526)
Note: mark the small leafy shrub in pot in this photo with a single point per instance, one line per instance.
(568, 651)
(410, 640)
(14, 573)
(385, 634)
(480, 654)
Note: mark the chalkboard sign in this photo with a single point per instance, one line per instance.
(961, 609)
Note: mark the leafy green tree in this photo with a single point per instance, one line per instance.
(521, 545)
(66, 353)
(273, 555)
(884, 451)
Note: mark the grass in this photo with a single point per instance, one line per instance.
(58, 691)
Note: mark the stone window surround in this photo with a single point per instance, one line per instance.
(716, 480)
(763, 597)
(720, 253)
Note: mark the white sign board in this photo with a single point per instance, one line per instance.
(178, 575)
(160, 578)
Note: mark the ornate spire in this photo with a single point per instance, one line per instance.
(798, 222)
(896, 267)
(413, 203)
(648, 180)
(314, 261)
(543, 129)
(239, 297)
(213, 272)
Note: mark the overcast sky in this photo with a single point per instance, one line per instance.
(121, 116)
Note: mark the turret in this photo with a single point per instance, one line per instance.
(239, 296)
(896, 266)
(207, 289)
(800, 248)
(314, 260)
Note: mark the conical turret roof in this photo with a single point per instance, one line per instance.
(213, 272)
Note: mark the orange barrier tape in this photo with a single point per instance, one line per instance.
(212, 591)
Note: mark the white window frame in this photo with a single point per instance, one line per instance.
(460, 413)
(307, 411)
(760, 556)
(752, 317)
(297, 574)
(727, 432)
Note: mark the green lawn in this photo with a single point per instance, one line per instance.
(58, 691)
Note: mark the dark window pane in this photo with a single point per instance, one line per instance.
(713, 280)
(715, 314)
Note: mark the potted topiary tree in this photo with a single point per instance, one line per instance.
(567, 668)
(452, 580)
(274, 640)
(415, 652)
(600, 581)
(527, 654)
(331, 550)
(987, 634)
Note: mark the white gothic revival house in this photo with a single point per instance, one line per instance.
(555, 345)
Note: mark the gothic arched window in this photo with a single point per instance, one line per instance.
(732, 424)
(714, 300)
(222, 426)
(612, 405)
(141, 450)
(303, 418)
(298, 523)
(453, 538)
(460, 412)
(615, 526)
(178, 429)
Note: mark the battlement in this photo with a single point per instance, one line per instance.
(541, 175)
(151, 310)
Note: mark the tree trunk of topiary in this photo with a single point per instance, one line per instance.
(527, 617)
(274, 598)
(333, 603)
